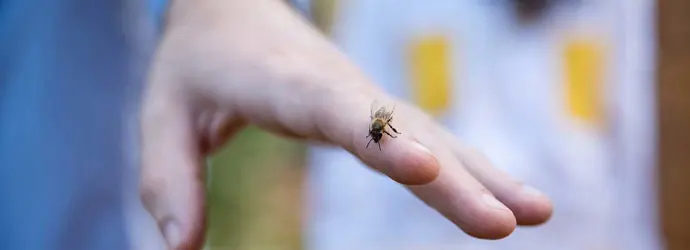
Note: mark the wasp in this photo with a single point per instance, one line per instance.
(381, 116)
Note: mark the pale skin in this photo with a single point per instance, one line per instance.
(223, 64)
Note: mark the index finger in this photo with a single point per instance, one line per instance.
(342, 117)
(398, 155)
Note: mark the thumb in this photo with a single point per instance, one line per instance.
(172, 184)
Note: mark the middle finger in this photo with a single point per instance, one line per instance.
(458, 196)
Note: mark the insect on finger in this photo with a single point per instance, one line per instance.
(381, 116)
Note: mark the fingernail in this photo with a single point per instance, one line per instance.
(493, 202)
(419, 168)
(422, 147)
(172, 234)
(531, 191)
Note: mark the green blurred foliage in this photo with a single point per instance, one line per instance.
(254, 193)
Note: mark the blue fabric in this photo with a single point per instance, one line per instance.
(157, 9)
(63, 74)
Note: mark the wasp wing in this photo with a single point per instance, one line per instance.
(381, 110)
(375, 105)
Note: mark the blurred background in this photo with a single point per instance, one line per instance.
(587, 100)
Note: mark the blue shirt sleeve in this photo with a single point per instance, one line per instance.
(158, 9)
(65, 72)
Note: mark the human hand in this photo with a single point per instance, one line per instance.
(224, 64)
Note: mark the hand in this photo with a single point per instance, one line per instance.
(224, 64)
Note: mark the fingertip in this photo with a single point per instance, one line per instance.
(495, 231)
(171, 232)
(428, 170)
(535, 208)
(423, 172)
(535, 217)
(412, 165)
(183, 223)
(493, 221)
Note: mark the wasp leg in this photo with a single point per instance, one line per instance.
(389, 134)
(369, 142)
(379, 146)
(368, 136)
(394, 130)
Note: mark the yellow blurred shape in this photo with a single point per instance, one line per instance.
(431, 73)
(583, 74)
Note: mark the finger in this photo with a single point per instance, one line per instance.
(530, 206)
(171, 187)
(403, 160)
(462, 199)
(400, 156)
(341, 117)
